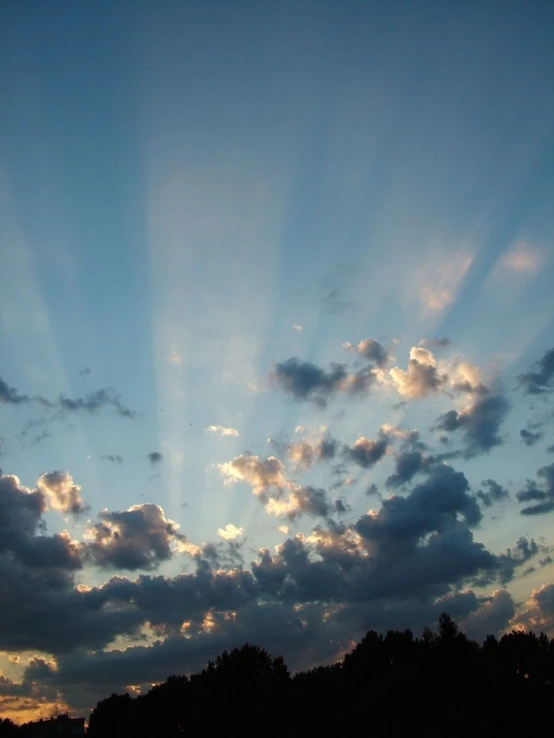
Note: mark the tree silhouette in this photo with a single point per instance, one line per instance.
(438, 684)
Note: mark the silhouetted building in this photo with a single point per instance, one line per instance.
(60, 726)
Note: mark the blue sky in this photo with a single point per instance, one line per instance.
(193, 194)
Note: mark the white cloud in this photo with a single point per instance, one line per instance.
(521, 258)
(230, 532)
(222, 430)
(297, 327)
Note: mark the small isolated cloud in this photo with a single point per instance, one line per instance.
(421, 378)
(306, 381)
(230, 532)
(520, 259)
(284, 529)
(529, 438)
(492, 492)
(138, 538)
(297, 327)
(84, 372)
(222, 431)
(541, 492)
(155, 457)
(62, 493)
(540, 378)
(114, 458)
(371, 350)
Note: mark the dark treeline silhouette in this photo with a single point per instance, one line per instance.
(440, 684)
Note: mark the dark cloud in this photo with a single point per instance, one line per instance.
(407, 465)
(523, 551)
(11, 396)
(371, 350)
(541, 492)
(366, 452)
(114, 458)
(492, 493)
(306, 381)
(93, 402)
(540, 377)
(529, 438)
(480, 423)
(308, 501)
(494, 615)
(62, 493)
(21, 520)
(154, 457)
(138, 538)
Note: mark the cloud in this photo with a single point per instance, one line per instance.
(62, 493)
(301, 501)
(421, 377)
(366, 452)
(297, 327)
(480, 422)
(492, 493)
(93, 402)
(520, 259)
(84, 372)
(222, 430)
(430, 343)
(11, 396)
(230, 532)
(529, 438)
(538, 612)
(371, 350)
(493, 616)
(138, 538)
(21, 512)
(540, 377)
(89, 403)
(305, 452)
(262, 474)
(407, 465)
(305, 381)
(114, 458)
(541, 492)
(155, 457)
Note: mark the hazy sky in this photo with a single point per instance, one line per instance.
(276, 332)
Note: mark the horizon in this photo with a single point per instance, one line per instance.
(276, 333)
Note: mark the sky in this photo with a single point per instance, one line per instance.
(276, 332)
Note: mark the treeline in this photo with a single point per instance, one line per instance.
(440, 684)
